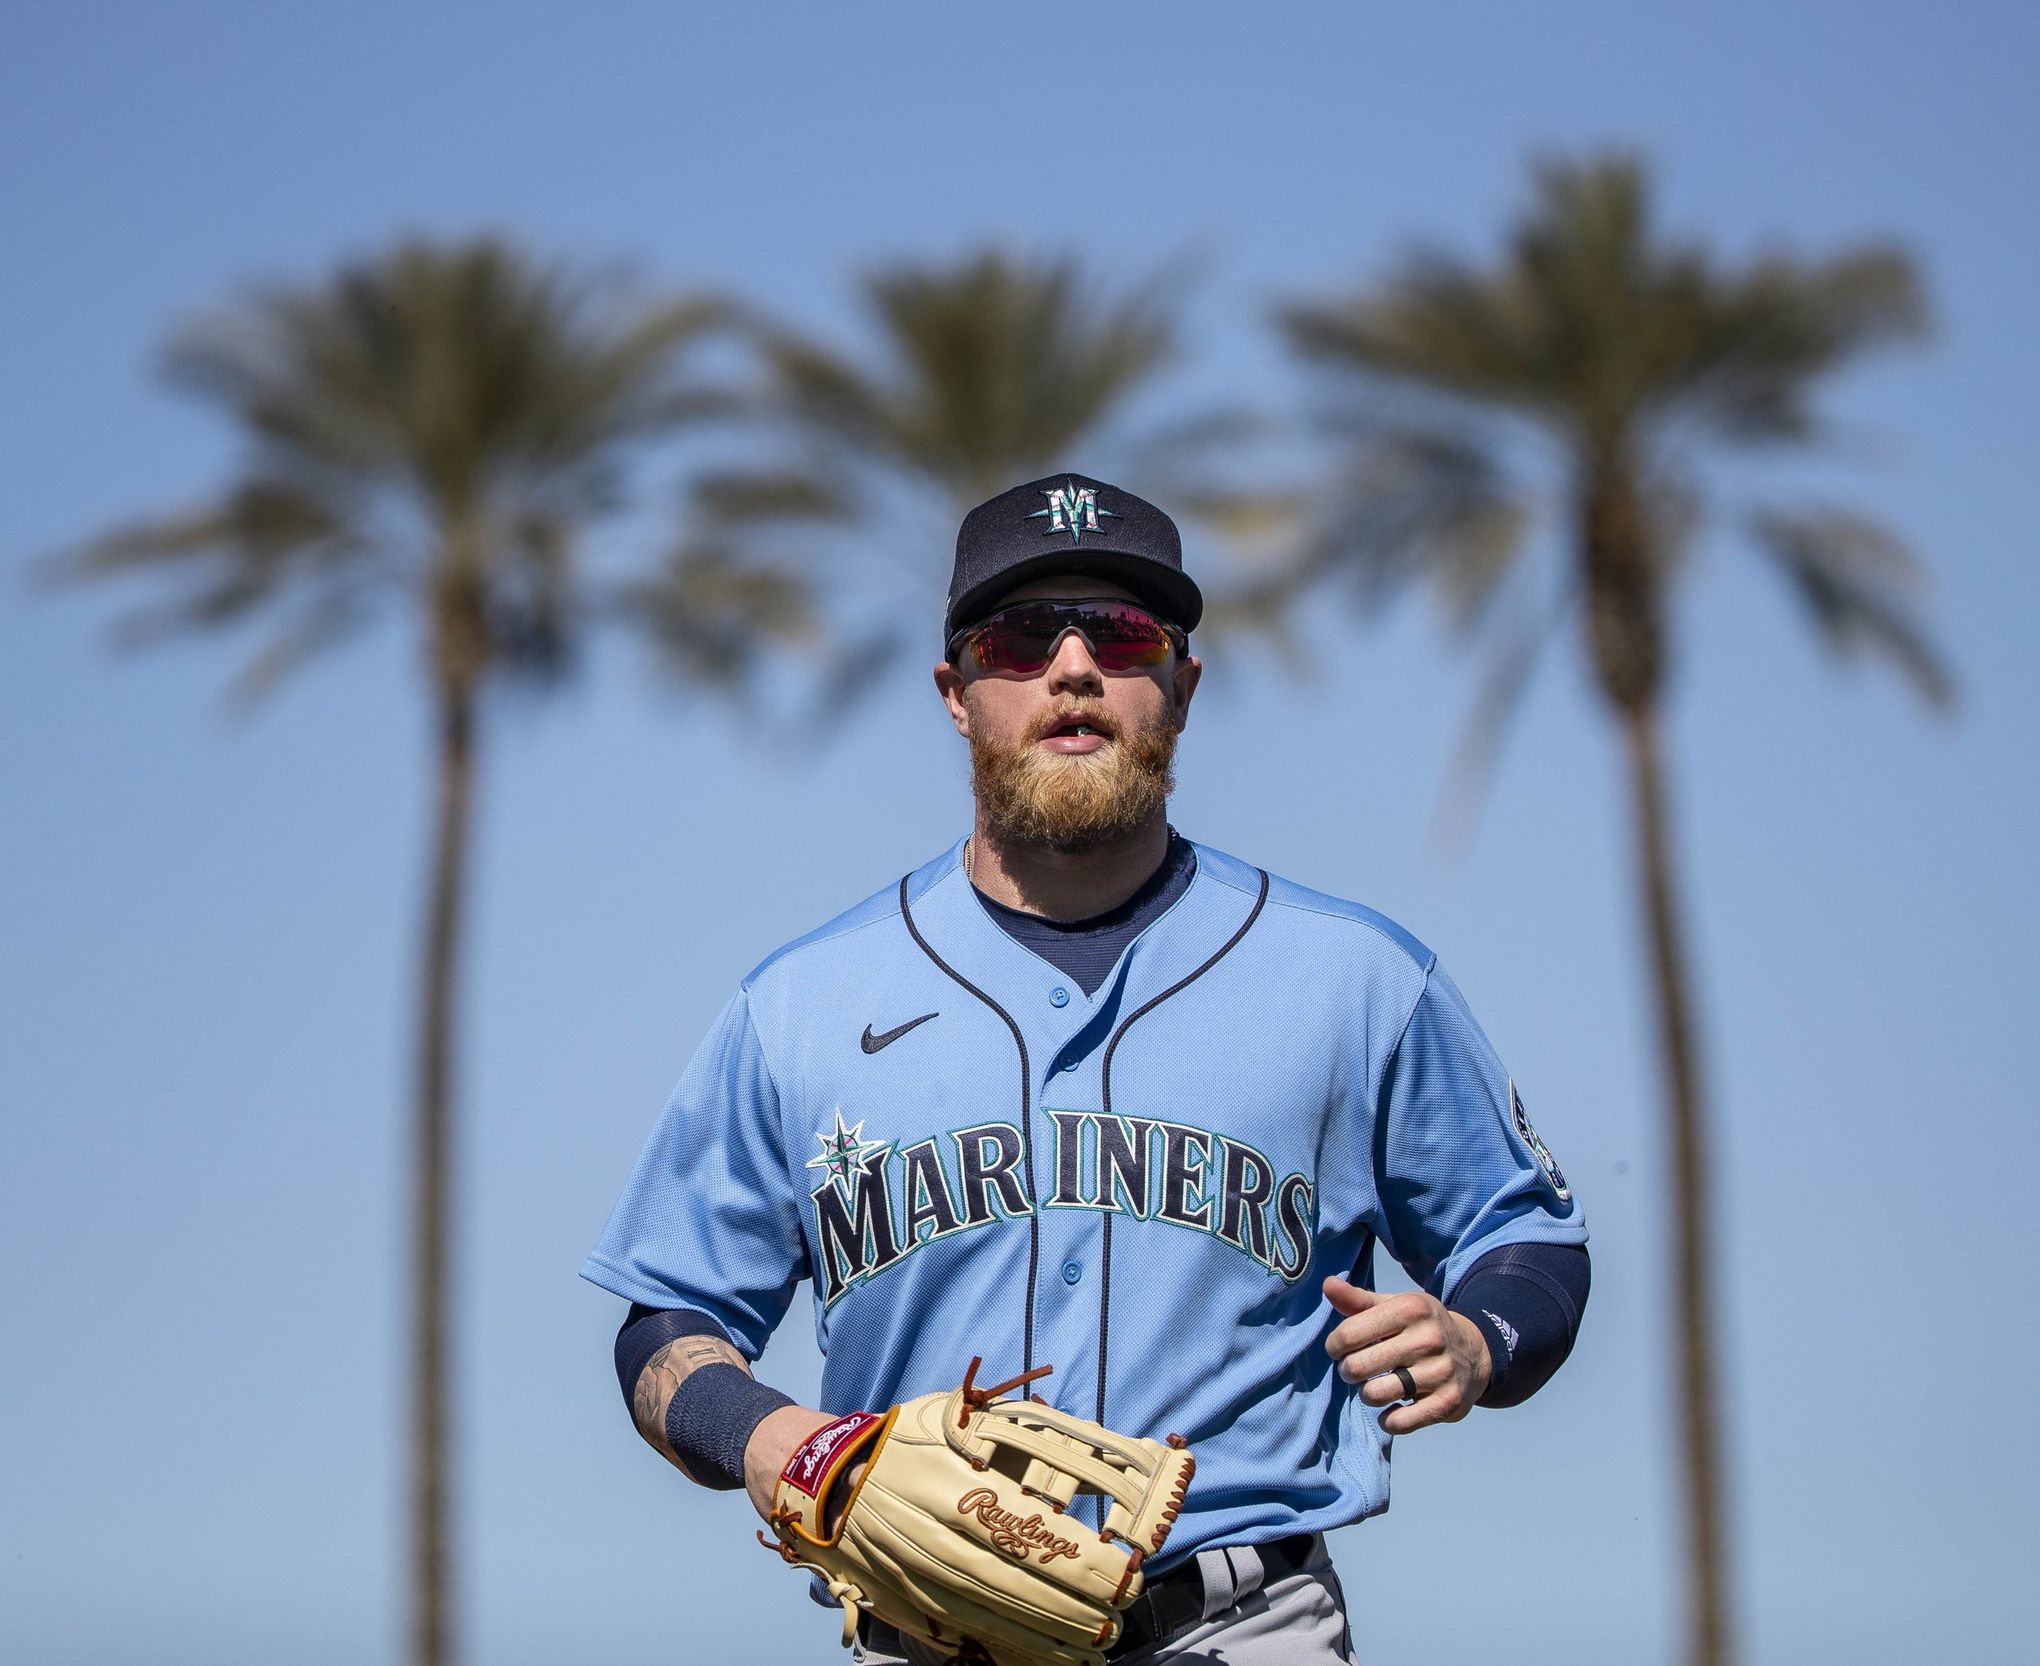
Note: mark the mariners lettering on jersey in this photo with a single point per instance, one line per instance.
(883, 1201)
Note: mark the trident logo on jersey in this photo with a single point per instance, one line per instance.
(1072, 509)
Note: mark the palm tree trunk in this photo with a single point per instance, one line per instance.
(1707, 1595)
(431, 1224)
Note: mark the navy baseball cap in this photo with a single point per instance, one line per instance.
(1069, 523)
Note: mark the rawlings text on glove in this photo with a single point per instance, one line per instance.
(961, 1532)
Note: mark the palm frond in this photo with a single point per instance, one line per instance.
(750, 496)
(1758, 343)
(1436, 322)
(1218, 434)
(1593, 322)
(1614, 346)
(818, 391)
(1860, 585)
(1262, 610)
(986, 370)
(1260, 524)
(1009, 362)
(1512, 656)
(322, 624)
(1429, 505)
(260, 524)
(219, 564)
(436, 403)
(712, 615)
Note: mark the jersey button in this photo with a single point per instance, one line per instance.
(1071, 1064)
(1071, 1272)
(1058, 996)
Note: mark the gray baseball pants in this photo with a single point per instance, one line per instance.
(1299, 1620)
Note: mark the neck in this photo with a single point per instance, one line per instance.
(1065, 885)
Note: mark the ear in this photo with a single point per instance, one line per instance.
(949, 684)
(1183, 682)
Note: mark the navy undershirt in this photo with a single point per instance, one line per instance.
(1088, 949)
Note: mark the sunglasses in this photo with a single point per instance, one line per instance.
(1020, 640)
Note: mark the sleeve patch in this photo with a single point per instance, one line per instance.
(1538, 1149)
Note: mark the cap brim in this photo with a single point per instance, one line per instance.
(1169, 591)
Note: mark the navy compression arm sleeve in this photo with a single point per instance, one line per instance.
(714, 1411)
(1527, 1300)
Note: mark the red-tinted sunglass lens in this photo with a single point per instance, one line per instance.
(1127, 641)
(998, 647)
(1022, 639)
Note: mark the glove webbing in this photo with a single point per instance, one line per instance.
(1023, 1429)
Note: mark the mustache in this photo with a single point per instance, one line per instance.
(1089, 712)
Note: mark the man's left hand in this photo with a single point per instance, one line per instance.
(1444, 1353)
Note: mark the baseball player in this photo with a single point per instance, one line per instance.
(1082, 1094)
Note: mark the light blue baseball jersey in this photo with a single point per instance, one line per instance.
(966, 1155)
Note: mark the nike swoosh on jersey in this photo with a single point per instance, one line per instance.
(872, 1043)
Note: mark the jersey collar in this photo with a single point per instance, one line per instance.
(955, 926)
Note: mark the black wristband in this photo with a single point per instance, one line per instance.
(711, 1418)
(714, 1412)
(1527, 1300)
(1501, 1351)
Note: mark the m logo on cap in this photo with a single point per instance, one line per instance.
(1072, 509)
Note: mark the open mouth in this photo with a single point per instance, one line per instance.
(1076, 732)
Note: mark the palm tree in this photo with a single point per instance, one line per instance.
(1609, 363)
(986, 371)
(995, 365)
(430, 433)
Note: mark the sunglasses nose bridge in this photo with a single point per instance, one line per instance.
(1055, 652)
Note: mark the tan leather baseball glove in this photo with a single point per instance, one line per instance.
(961, 1532)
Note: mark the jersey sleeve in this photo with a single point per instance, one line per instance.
(708, 1218)
(1459, 1169)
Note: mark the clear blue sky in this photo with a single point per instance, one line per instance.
(206, 930)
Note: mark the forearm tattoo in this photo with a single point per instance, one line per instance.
(669, 1364)
(662, 1376)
